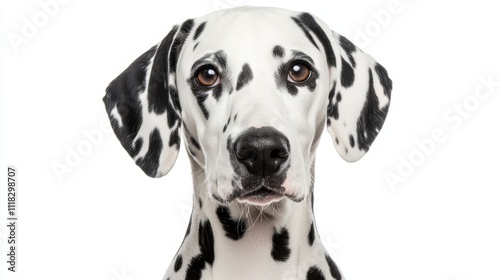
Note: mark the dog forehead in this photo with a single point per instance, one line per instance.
(247, 18)
(250, 31)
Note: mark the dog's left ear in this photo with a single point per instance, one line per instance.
(358, 101)
(143, 105)
(360, 91)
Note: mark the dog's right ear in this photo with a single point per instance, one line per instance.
(143, 105)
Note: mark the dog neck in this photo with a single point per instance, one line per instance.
(242, 241)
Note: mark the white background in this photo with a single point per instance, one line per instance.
(105, 219)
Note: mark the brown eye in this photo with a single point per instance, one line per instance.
(299, 73)
(207, 77)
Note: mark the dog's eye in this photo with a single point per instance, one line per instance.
(207, 77)
(299, 73)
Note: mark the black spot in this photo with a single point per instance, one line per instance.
(334, 271)
(349, 48)
(292, 89)
(206, 244)
(280, 251)
(199, 30)
(175, 139)
(235, 229)
(278, 51)
(337, 140)
(244, 77)
(225, 126)
(149, 163)
(217, 92)
(195, 143)
(384, 79)
(218, 198)
(221, 58)
(235, 116)
(312, 235)
(195, 267)
(137, 146)
(333, 108)
(311, 85)
(202, 61)
(347, 75)
(312, 201)
(351, 141)
(306, 32)
(157, 91)
(372, 118)
(314, 273)
(174, 109)
(176, 48)
(200, 203)
(331, 93)
(178, 263)
(311, 23)
(201, 97)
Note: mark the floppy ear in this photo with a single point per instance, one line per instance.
(360, 91)
(358, 101)
(143, 105)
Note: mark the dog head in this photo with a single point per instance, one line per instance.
(251, 89)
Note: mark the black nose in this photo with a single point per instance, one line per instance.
(263, 151)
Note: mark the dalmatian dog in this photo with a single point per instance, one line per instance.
(251, 90)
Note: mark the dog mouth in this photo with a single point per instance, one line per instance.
(262, 196)
(257, 191)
